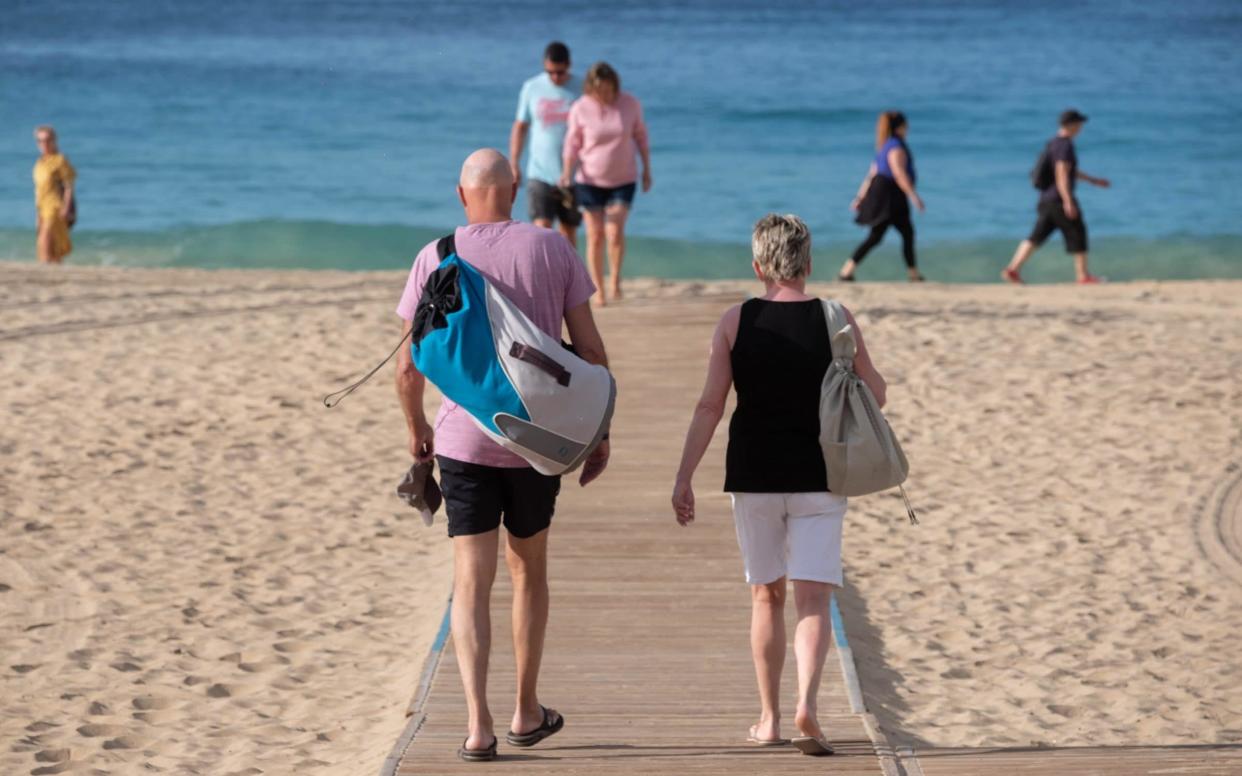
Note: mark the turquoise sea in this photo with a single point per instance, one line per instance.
(309, 133)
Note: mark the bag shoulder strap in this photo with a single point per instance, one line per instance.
(447, 246)
(834, 314)
(840, 333)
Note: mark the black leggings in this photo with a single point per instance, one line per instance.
(903, 226)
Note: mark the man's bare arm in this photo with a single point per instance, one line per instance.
(590, 346)
(1063, 188)
(585, 335)
(410, 388)
(517, 142)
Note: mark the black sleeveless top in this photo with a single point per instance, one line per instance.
(779, 360)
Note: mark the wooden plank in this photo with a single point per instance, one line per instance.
(648, 652)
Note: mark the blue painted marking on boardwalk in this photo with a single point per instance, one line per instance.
(442, 635)
(838, 625)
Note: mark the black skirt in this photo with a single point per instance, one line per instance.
(884, 202)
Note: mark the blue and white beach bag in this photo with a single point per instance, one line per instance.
(524, 389)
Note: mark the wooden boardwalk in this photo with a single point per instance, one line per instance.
(648, 654)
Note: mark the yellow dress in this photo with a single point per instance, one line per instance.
(51, 174)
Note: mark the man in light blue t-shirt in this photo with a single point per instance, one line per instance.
(543, 109)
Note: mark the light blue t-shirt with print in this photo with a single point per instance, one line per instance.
(545, 106)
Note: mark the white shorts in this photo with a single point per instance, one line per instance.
(790, 534)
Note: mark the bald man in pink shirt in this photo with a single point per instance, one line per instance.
(484, 485)
(606, 129)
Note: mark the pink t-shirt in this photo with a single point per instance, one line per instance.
(538, 271)
(604, 138)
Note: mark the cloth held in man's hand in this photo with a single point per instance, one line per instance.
(419, 489)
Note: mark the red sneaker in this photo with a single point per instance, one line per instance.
(1011, 275)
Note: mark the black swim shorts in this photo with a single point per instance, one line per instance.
(477, 498)
(551, 203)
(1051, 218)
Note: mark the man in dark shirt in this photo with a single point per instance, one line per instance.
(1058, 208)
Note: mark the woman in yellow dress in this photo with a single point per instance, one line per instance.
(53, 181)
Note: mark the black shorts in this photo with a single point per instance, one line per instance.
(599, 197)
(548, 202)
(1051, 218)
(476, 497)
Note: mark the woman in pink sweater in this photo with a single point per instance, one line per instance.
(605, 129)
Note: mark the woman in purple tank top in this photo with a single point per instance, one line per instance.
(885, 194)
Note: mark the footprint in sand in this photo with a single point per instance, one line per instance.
(53, 755)
(95, 730)
(233, 690)
(151, 702)
(154, 710)
(289, 647)
(124, 742)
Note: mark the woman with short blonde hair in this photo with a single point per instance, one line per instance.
(606, 128)
(774, 351)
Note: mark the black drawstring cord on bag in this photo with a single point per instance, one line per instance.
(327, 400)
(914, 520)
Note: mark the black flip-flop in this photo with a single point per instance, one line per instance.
(845, 278)
(477, 755)
(815, 746)
(545, 729)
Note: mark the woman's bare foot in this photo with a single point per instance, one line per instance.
(807, 723)
(767, 731)
(615, 292)
(599, 300)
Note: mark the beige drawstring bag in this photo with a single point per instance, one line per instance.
(861, 453)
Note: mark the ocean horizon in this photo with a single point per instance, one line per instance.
(301, 134)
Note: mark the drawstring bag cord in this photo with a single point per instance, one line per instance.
(328, 400)
(914, 520)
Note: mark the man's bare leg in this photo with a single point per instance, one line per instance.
(1080, 267)
(528, 566)
(1025, 250)
(615, 231)
(810, 649)
(767, 648)
(474, 570)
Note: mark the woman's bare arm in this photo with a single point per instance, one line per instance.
(707, 413)
(863, 366)
(897, 159)
(862, 188)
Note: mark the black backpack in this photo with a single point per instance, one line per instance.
(1042, 176)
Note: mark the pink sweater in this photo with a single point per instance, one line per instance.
(604, 138)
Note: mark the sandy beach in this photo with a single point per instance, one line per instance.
(202, 570)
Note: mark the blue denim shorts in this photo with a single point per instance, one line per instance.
(599, 197)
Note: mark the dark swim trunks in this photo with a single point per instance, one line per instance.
(477, 498)
(551, 203)
(1051, 218)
